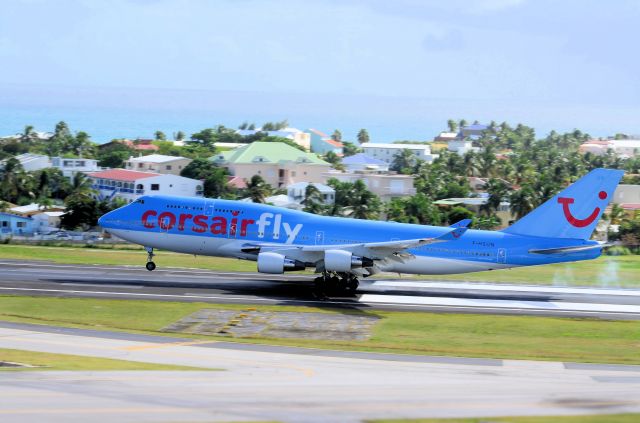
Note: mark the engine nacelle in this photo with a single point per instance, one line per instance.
(344, 261)
(270, 262)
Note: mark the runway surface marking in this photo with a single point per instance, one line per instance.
(465, 302)
(391, 300)
(504, 287)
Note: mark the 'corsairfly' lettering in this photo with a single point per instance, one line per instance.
(220, 225)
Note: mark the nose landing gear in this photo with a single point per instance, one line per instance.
(150, 264)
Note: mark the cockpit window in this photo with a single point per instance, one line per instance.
(140, 200)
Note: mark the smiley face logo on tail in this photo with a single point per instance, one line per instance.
(580, 223)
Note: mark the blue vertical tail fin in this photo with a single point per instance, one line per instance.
(575, 211)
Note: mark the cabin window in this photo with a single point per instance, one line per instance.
(155, 187)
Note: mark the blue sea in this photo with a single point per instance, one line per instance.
(108, 113)
(129, 113)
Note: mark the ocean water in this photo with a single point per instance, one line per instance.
(129, 113)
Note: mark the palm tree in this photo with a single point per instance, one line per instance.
(522, 201)
(81, 184)
(312, 199)
(363, 136)
(404, 161)
(364, 203)
(258, 189)
(452, 125)
(28, 135)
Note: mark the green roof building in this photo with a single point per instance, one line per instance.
(278, 163)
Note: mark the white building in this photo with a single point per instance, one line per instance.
(301, 138)
(131, 184)
(70, 167)
(627, 194)
(362, 163)
(31, 162)
(296, 192)
(387, 152)
(461, 146)
(159, 163)
(621, 148)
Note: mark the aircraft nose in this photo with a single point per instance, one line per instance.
(105, 220)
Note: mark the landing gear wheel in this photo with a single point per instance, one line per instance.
(352, 284)
(150, 264)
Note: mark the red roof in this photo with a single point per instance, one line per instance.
(122, 175)
(334, 143)
(237, 182)
(146, 147)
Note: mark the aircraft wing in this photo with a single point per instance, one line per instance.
(374, 250)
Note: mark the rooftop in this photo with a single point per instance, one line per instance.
(155, 158)
(267, 152)
(122, 175)
(362, 158)
(391, 145)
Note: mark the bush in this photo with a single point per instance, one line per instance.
(617, 251)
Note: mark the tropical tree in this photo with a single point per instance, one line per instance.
(160, 136)
(523, 201)
(497, 190)
(312, 201)
(180, 136)
(417, 209)
(258, 189)
(458, 213)
(349, 149)
(404, 162)
(363, 136)
(337, 135)
(452, 125)
(80, 143)
(29, 135)
(364, 204)
(334, 159)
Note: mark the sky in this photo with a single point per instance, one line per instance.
(399, 67)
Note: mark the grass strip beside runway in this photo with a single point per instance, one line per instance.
(50, 361)
(609, 271)
(464, 335)
(594, 418)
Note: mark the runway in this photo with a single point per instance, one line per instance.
(262, 382)
(42, 278)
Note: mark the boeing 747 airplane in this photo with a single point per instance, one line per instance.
(343, 250)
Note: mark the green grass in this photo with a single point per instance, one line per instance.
(50, 361)
(467, 335)
(594, 418)
(78, 255)
(618, 271)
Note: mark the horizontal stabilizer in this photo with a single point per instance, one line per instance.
(566, 250)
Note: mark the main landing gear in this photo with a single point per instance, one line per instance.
(335, 284)
(150, 264)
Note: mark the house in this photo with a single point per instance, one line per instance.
(171, 165)
(475, 203)
(301, 138)
(228, 145)
(130, 184)
(461, 146)
(621, 148)
(296, 192)
(46, 221)
(13, 224)
(383, 185)
(474, 130)
(446, 136)
(70, 167)
(145, 146)
(387, 152)
(627, 196)
(34, 208)
(322, 143)
(279, 164)
(362, 163)
(31, 162)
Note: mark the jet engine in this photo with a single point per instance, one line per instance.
(270, 262)
(344, 261)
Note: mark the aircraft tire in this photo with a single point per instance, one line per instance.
(150, 266)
